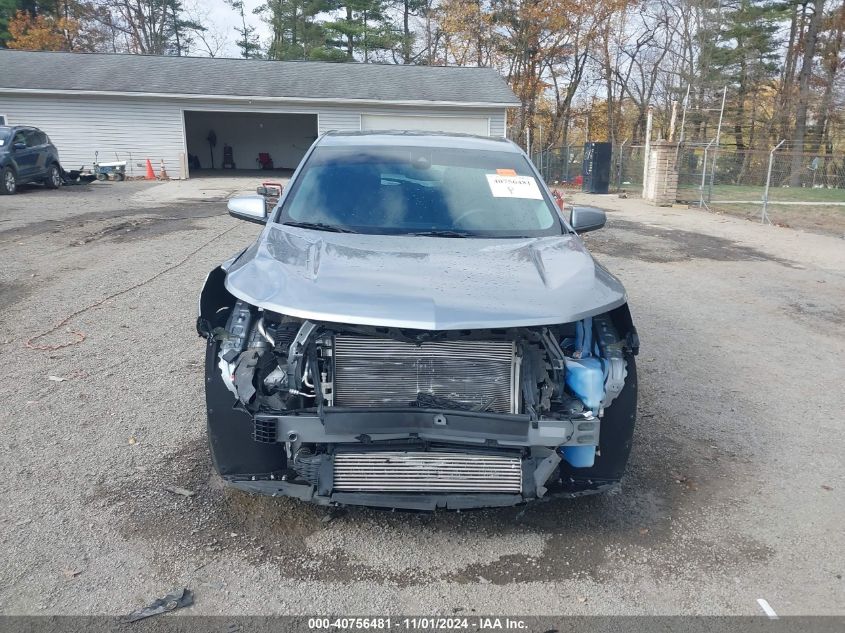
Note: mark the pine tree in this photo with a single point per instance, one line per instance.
(248, 41)
(295, 32)
(363, 30)
(744, 57)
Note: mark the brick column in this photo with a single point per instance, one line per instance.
(662, 184)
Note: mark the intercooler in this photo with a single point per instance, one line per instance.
(426, 472)
(474, 375)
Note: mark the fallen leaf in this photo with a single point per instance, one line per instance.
(582, 599)
(72, 573)
(132, 440)
(56, 378)
(643, 531)
(826, 487)
(177, 490)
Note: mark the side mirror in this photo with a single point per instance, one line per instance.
(18, 146)
(584, 219)
(270, 190)
(249, 208)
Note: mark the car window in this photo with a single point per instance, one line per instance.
(32, 138)
(5, 135)
(402, 190)
(20, 137)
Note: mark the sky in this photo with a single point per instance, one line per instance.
(223, 18)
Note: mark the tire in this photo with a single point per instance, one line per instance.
(8, 181)
(615, 438)
(54, 177)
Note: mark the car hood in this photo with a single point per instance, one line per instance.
(430, 283)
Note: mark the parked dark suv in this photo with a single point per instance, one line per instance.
(27, 155)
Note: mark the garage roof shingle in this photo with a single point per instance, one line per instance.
(143, 74)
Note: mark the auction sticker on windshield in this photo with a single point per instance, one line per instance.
(514, 187)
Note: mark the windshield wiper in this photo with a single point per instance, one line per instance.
(319, 226)
(441, 233)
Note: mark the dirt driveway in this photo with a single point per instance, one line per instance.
(736, 485)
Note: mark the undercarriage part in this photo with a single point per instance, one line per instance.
(427, 472)
(378, 372)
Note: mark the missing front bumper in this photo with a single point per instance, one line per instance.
(419, 501)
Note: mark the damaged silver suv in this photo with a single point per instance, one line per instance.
(417, 327)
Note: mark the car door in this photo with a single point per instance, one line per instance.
(24, 155)
(37, 141)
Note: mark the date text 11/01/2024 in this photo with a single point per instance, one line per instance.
(417, 623)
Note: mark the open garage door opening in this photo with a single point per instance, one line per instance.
(225, 141)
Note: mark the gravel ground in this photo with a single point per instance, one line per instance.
(736, 482)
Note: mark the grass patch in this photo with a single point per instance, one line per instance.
(753, 194)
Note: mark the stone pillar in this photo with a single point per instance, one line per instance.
(662, 182)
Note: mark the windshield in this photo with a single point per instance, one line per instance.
(420, 190)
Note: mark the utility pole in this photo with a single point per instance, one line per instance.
(718, 136)
(701, 203)
(764, 217)
(647, 148)
(540, 145)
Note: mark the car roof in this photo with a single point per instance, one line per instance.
(417, 139)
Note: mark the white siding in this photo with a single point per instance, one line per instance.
(126, 129)
(339, 119)
(428, 123)
(497, 123)
(137, 128)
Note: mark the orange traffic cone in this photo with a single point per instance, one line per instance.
(150, 174)
(162, 174)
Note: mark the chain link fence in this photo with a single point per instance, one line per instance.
(627, 170)
(563, 166)
(560, 166)
(804, 190)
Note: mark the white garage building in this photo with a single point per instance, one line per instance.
(133, 107)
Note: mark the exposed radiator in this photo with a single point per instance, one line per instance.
(373, 372)
(426, 472)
